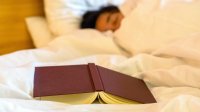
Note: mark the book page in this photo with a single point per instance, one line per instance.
(112, 99)
(83, 98)
(100, 100)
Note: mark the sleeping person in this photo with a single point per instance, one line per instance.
(149, 24)
(107, 18)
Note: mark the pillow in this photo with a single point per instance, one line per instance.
(152, 25)
(39, 30)
(64, 16)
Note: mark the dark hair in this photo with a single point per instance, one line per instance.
(90, 17)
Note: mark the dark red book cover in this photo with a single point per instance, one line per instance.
(73, 79)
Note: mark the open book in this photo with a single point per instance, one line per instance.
(83, 84)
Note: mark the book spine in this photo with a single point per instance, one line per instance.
(96, 78)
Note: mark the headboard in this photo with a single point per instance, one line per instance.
(13, 31)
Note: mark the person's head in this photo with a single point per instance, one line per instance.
(107, 18)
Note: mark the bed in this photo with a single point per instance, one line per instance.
(169, 66)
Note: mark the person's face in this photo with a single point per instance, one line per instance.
(109, 21)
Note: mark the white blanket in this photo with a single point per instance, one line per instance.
(171, 72)
(155, 23)
(174, 80)
(179, 104)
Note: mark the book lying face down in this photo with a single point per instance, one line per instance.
(83, 84)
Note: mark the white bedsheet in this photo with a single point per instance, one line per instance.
(172, 74)
(183, 103)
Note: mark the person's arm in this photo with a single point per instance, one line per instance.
(128, 6)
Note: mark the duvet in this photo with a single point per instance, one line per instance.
(172, 73)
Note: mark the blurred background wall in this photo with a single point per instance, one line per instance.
(13, 31)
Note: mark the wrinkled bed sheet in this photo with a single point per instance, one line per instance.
(171, 72)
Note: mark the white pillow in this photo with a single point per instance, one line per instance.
(154, 24)
(64, 16)
(39, 30)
